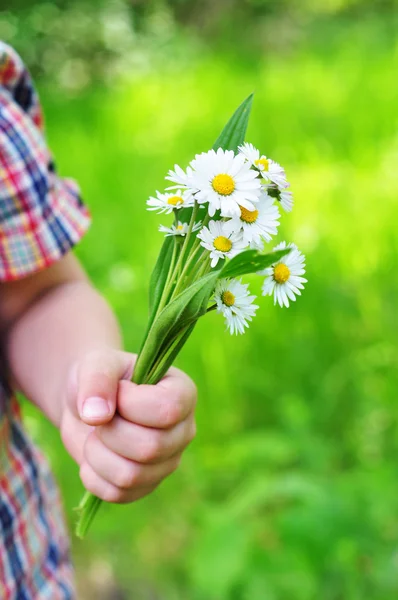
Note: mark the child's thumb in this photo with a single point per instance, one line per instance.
(98, 377)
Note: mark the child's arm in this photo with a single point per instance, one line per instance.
(56, 318)
(63, 350)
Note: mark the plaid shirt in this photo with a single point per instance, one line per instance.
(41, 218)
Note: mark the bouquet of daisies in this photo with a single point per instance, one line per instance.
(225, 206)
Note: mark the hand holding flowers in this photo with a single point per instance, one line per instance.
(125, 437)
(225, 206)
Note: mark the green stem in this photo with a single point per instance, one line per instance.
(213, 307)
(88, 508)
(198, 271)
(206, 220)
(186, 241)
(169, 281)
(180, 283)
(157, 371)
(205, 260)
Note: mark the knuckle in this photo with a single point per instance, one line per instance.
(171, 411)
(151, 448)
(93, 484)
(87, 479)
(127, 477)
(190, 389)
(112, 494)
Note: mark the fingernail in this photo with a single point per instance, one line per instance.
(95, 407)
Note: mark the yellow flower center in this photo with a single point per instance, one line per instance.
(174, 200)
(262, 162)
(180, 227)
(223, 184)
(248, 216)
(228, 298)
(281, 273)
(222, 243)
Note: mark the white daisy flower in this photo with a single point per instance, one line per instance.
(235, 303)
(258, 224)
(284, 196)
(166, 203)
(269, 169)
(179, 177)
(225, 181)
(251, 154)
(284, 279)
(219, 242)
(179, 229)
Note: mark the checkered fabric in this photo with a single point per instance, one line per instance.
(41, 215)
(41, 218)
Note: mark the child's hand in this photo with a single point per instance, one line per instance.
(140, 431)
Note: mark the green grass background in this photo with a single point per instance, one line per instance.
(289, 491)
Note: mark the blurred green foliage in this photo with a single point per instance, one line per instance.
(81, 42)
(290, 490)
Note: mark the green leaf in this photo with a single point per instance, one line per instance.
(183, 311)
(169, 355)
(233, 134)
(251, 261)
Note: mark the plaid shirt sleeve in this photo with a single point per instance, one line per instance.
(41, 215)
